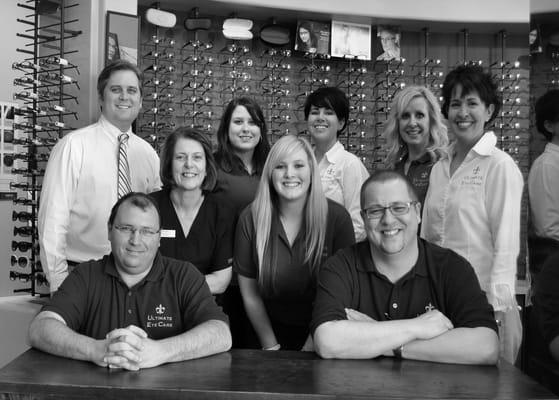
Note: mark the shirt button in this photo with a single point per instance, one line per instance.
(394, 305)
(129, 294)
(129, 311)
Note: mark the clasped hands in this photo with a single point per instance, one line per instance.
(128, 348)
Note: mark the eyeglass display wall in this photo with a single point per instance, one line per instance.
(43, 115)
(544, 68)
(191, 75)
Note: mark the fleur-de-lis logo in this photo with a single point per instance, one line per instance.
(160, 309)
(429, 307)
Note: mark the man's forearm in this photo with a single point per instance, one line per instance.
(53, 336)
(360, 339)
(458, 346)
(210, 337)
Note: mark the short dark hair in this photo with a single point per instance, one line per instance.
(385, 175)
(547, 109)
(332, 98)
(225, 153)
(137, 199)
(168, 150)
(118, 65)
(472, 78)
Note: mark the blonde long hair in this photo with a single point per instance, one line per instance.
(266, 203)
(438, 138)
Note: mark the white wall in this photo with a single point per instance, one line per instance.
(15, 313)
(502, 11)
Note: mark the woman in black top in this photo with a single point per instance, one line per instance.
(243, 146)
(281, 240)
(242, 150)
(195, 226)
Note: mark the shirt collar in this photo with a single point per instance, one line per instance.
(485, 145)
(335, 152)
(552, 147)
(155, 273)
(238, 168)
(111, 129)
(424, 159)
(277, 229)
(367, 264)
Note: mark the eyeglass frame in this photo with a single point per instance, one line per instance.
(129, 230)
(406, 204)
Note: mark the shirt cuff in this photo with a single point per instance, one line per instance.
(501, 296)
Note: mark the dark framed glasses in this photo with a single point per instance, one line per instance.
(21, 246)
(25, 186)
(22, 216)
(23, 231)
(18, 276)
(397, 209)
(25, 202)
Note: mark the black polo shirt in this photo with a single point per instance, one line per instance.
(418, 173)
(209, 244)
(440, 279)
(295, 287)
(173, 298)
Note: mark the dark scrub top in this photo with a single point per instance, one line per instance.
(237, 188)
(209, 244)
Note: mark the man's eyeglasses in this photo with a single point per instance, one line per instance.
(397, 209)
(130, 230)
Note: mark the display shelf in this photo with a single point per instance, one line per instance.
(41, 116)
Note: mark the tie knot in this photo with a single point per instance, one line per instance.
(123, 138)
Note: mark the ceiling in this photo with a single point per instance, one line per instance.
(217, 8)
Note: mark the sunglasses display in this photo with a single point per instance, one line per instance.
(45, 87)
(22, 246)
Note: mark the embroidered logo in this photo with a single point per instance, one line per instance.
(476, 170)
(429, 307)
(159, 319)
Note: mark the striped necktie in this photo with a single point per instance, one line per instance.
(124, 186)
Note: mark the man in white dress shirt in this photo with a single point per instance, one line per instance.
(80, 183)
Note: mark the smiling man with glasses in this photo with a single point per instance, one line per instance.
(133, 308)
(395, 294)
